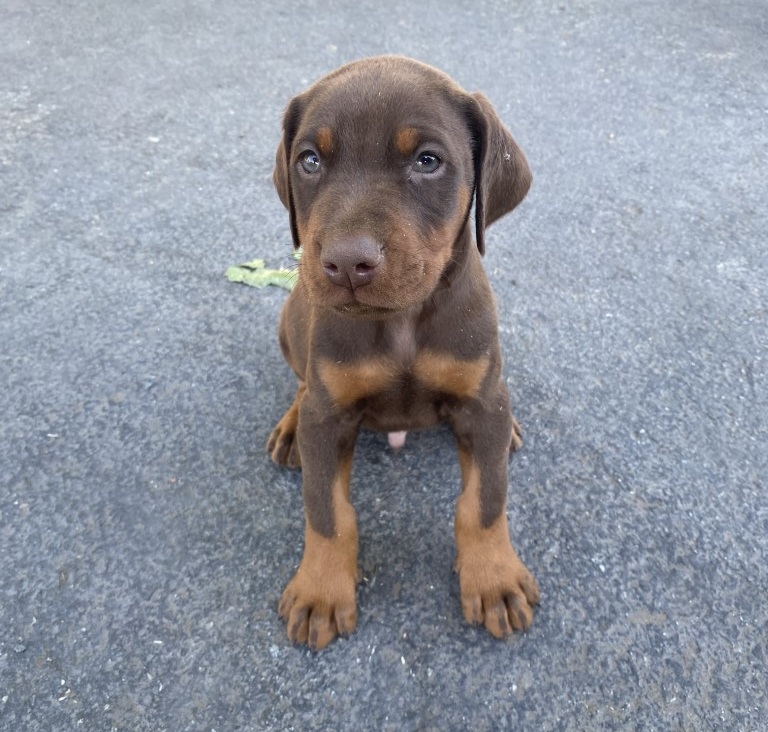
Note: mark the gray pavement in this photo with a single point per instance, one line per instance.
(144, 535)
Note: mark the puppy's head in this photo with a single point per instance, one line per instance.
(378, 167)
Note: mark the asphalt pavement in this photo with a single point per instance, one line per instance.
(145, 537)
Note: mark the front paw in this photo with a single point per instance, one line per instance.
(319, 605)
(497, 591)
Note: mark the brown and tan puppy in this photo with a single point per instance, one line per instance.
(392, 325)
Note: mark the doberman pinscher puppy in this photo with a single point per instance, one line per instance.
(392, 324)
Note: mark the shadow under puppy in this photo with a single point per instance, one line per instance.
(392, 325)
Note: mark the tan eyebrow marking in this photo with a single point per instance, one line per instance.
(324, 141)
(406, 140)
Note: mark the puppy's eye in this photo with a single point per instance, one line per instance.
(310, 162)
(426, 163)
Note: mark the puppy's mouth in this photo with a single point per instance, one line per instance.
(355, 309)
(386, 295)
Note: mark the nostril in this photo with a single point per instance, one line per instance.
(330, 267)
(363, 268)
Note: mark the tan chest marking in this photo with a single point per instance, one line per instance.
(444, 373)
(347, 383)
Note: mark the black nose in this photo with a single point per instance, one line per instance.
(351, 262)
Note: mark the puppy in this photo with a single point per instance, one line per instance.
(392, 325)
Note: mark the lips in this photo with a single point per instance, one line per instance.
(357, 309)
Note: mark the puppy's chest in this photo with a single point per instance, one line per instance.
(400, 381)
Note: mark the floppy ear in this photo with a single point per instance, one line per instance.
(281, 176)
(502, 175)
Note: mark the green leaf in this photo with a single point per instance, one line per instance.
(255, 274)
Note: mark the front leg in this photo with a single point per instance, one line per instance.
(497, 589)
(319, 602)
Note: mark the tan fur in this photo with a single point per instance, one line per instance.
(450, 375)
(319, 602)
(324, 141)
(497, 590)
(347, 383)
(406, 140)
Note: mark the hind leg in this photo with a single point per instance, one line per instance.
(282, 446)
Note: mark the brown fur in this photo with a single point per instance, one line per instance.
(392, 325)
